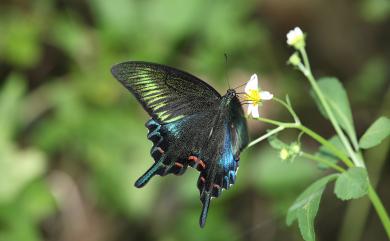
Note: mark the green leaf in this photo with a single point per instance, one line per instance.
(337, 98)
(352, 184)
(10, 101)
(305, 207)
(376, 133)
(275, 142)
(325, 153)
(17, 170)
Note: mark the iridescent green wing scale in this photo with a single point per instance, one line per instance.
(167, 94)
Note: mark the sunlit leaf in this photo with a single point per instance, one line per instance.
(376, 133)
(17, 169)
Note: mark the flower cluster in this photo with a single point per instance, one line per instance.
(253, 94)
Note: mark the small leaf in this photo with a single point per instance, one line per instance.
(352, 184)
(325, 153)
(10, 101)
(376, 133)
(337, 98)
(305, 207)
(275, 142)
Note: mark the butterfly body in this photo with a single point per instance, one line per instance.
(191, 125)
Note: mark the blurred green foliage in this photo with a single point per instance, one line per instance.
(72, 140)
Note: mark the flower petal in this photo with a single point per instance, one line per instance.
(253, 84)
(254, 110)
(249, 110)
(266, 95)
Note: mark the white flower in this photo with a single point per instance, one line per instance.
(296, 38)
(254, 96)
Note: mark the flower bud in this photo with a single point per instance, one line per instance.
(284, 155)
(294, 59)
(296, 38)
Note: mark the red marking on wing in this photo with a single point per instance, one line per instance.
(202, 164)
(202, 179)
(160, 150)
(197, 161)
(216, 186)
(178, 164)
(192, 158)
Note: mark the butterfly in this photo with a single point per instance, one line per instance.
(191, 125)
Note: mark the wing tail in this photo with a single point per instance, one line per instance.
(144, 179)
(206, 196)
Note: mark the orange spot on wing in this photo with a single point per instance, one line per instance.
(200, 162)
(202, 179)
(160, 150)
(197, 161)
(178, 164)
(216, 186)
(192, 158)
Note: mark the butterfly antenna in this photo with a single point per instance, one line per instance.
(226, 65)
(240, 86)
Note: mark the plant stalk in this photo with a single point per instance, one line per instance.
(307, 72)
(380, 209)
(310, 133)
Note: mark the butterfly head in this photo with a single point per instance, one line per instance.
(230, 94)
(228, 97)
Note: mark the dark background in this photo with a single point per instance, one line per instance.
(72, 140)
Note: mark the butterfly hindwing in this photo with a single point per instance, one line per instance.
(229, 138)
(166, 93)
(176, 145)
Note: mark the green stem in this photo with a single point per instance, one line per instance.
(263, 137)
(373, 196)
(310, 133)
(307, 72)
(327, 144)
(272, 122)
(288, 107)
(380, 209)
(323, 161)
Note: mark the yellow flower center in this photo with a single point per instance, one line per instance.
(254, 96)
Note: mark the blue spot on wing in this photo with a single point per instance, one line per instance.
(225, 176)
(227, 162)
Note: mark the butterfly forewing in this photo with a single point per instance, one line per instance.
(167, 94)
